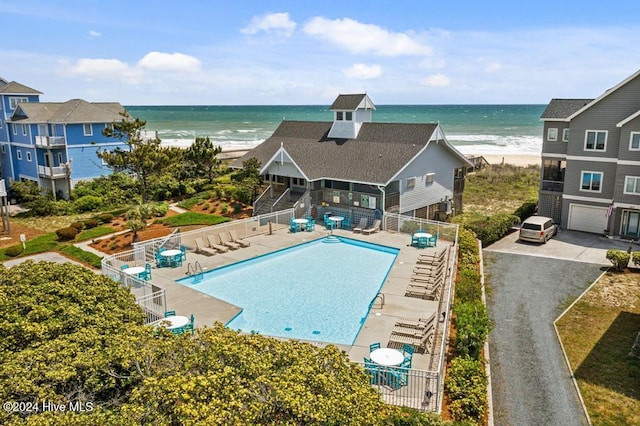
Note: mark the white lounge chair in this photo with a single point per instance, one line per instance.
(361, 225)
(234, 238)
(203, 249)
(215, 245)
(374, 228)
(225, 241)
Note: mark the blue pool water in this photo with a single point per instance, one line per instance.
(320, 291)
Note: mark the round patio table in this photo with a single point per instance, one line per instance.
(387, 356)
(175, 321)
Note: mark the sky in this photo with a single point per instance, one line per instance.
(297, 52)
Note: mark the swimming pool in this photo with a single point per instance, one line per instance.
(320, 290)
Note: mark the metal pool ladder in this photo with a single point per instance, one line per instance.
(195, 270)
(377, 296)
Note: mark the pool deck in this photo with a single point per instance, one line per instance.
(380, 320)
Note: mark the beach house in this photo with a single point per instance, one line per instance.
(359, 168)
(53, 143)
(591, 162)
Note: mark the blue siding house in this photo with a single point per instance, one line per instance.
(53, 143)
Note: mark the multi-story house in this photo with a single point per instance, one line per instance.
(360, 168)
(591, 162)
(53, 143)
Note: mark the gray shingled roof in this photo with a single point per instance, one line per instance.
(14, 88)
(347, 102)
(375, 156)
(73, 111)
(563, 108)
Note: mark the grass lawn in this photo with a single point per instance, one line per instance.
(597, 334)
(500, 189)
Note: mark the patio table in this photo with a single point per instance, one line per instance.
(388, 357)
(175, 321)
(134, 270)
(337, 220)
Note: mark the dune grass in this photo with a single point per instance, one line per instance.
(597, 334)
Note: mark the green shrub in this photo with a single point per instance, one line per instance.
(237, 208)
(494, 227)
(91, 223)
(161, 209)
(66, 234)
(88, 203)
(635, 258)
(409, 227)
(78, 225)
(224, 208)
(472, 328)
(13, 251)
(619, 258)
(466, 387)
(105, 217)
(469, 253)
(526, 209)
(468, 286)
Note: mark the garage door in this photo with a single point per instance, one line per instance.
(587, 218)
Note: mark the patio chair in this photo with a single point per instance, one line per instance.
(346, 223)
(125, 266)
(407, 351)
(183, 249)
(225, 241)
(311, 225)
(374, 346)
(161, 261)
(422, 242)
(361, 225)
(431, 242)
(376, 376)
(214, 244)
(189, 326)
(201, 248)
(293, 226)
(169, 313)
(374, 228)
(233, 237)
(146, 275)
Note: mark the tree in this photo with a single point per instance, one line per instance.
(201, 156)
(145, 159)
(249, 178)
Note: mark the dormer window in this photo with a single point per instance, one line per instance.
(344, 116)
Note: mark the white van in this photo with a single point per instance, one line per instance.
(537, 229)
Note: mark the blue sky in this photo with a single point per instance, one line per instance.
(303, 52)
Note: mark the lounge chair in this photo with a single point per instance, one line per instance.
(420, 323)
(225, 241)
(203, 249)
(361, 225)
(410, 331)
(234, 238)
(374, 228)
(432, 258)
(420, 343)
(420, 292)
(214, 244)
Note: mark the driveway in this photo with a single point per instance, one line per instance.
(528, 287)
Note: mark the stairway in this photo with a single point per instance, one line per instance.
(268, 204)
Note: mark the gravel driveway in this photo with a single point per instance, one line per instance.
(530, 380)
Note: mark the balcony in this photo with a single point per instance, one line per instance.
(51, 141)
(552, 185)
(52, 172)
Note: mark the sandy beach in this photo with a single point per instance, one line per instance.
(515, 159)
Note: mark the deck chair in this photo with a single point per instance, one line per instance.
(214, 244)
(225, 241)
(410, 331)
(201, 248)
(420, 323)
(374, 228)
(420, 343)
(234, 238)
(361, 225)
(420, 292)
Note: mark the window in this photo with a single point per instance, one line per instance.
(565, 135)
(88, 129)
(15, 129)
(13, 102)
(19, 154)
(60, 158)
(28, 156)
(632, 185)
(595, 140)
(552, 134)
(411, 182)
(339, 116)
(108, 126)
(348, 116)
(429, 178)
(634, 141)
(3, 148)
(591, 181)
(24, 130)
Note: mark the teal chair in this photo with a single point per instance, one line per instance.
(146, 275)
(346, 223)
(189, 326)
(311, 225)
(422, 242)
(414, 241)
(374, 346)
(407, 350)
(125, 266)
(294, 227)
(373, 370)
(183, 249)
(431, 242)
(397, 377)
(169, 313)
(161, 261)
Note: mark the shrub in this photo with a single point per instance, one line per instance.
(90, 223)
(66, 234)
(469, 253)
(161, 209)
(635, 258)
(619, 258)
(88, 203)
(469, 286)
(472, 328)
(409, 227)
(526, 209)
(105, 217)
(78, 225)
(494, 227)
(13, 251)
(466, 386)
(237, 208)
(224, 208)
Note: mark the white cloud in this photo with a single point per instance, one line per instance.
(356, 37)
(436, 80)
(280, 23)
(99, 67)
(492, 67)
(94, 34)
(363, 71)
(159, 61)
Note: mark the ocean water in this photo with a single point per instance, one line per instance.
(473, 129)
